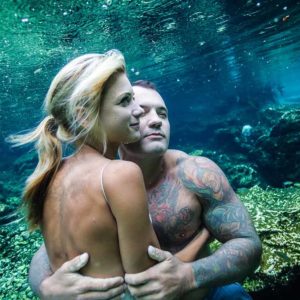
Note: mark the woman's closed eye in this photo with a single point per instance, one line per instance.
(125, 100)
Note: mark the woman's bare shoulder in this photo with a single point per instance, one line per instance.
(120, 169)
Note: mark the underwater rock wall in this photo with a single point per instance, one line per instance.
(267, 153)
(277, 153)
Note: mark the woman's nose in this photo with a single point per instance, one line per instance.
(137, 111)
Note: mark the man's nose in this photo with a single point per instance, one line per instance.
(155, 121)
(137, 111)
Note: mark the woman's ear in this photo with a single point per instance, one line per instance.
(81, 116)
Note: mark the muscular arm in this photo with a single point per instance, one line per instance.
(228, 221)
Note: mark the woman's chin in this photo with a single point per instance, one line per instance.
(132, 139)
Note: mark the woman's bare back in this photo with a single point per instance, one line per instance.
(78, 219)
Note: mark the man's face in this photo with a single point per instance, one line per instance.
(154, 124)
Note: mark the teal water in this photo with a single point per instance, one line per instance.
(220, 65)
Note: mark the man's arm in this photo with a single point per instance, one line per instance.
(227, 220)
(66, 283)
(39, 270)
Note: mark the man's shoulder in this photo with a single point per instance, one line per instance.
(199, 174)
(181, 157)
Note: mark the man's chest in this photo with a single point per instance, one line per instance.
(175, 213)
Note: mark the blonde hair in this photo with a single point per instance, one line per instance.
(73, 104)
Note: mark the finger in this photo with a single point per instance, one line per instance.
(138, 279)
(158, 254)
(144, 290)
(100, 284)
(110, 294)
(75, 264)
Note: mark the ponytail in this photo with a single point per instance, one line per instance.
(49, 150)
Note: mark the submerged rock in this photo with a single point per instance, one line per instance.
(277, 153)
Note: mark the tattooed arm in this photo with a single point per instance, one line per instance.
(227, 219)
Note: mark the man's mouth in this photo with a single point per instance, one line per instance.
(155, 134)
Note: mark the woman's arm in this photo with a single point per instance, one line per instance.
(190, 252)
(125, 190)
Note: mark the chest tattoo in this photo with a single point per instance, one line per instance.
(172, 219)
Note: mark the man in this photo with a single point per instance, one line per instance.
(184, 194)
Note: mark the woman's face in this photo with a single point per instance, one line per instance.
(119, 112)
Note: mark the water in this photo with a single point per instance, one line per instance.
(220, 66)
(197, 52)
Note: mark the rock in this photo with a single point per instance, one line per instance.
(277, 154)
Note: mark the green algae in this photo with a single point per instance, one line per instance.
(17, 247)
(276, 215)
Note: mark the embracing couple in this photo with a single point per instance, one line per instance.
(134, 228)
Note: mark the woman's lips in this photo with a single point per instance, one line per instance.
(135, 125)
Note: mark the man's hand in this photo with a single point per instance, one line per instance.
(166, 280)
(67, 284)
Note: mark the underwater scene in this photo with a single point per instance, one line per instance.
(229, 72)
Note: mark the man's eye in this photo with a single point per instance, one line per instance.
(163, 115)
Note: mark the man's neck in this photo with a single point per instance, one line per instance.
(153, 168)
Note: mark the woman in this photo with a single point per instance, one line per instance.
(89, 202)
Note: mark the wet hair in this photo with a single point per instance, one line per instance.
(72, 104)
(145, 84)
